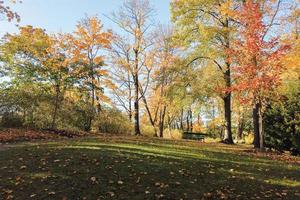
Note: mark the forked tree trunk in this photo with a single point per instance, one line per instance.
(162, 122)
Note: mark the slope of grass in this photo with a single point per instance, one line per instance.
(141, 168)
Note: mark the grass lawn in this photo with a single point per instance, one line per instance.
(142, 168)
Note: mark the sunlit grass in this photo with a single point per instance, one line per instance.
(284, 182)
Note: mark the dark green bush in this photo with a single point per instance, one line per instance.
(10, 120)
(282, 124)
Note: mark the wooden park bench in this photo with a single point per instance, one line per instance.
(193, 136)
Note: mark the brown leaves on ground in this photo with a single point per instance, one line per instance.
(17, 135)
(273, 155)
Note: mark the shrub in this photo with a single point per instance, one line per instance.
(147, 130)
(215, 129)
(249, 139)
(173, 134)
(112, 121)
(282, 124)
(282, 121)
(10, 120)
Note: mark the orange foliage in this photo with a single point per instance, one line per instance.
(258, 59)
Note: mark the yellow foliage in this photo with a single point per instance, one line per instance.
(226, 9)
(173, 134)
(249, 139)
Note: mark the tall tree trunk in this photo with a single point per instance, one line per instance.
(136, 109)
(260, 127)
(136, 118)
(255, 118)
(56, 106)
(227, 113)
(227, 99)
(137, 130)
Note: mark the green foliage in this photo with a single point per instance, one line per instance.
(282, 122)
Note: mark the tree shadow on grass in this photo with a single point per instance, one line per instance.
(243, 175)
(142, 171)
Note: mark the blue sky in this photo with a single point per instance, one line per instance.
(62, 15)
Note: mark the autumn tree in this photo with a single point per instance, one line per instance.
(56, 62)
(88, 43)
(206, 28)
(165, 57)
(258, 59)
(134, 18)
(34, 56)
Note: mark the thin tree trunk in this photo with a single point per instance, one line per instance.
(99, 107)
(129, 104)
(137, 130)
(187, 122)
(91, 115)
(191, 120)
(129, 96)
(181, 119)
(240, 129)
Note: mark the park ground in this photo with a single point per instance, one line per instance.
(126, 167)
